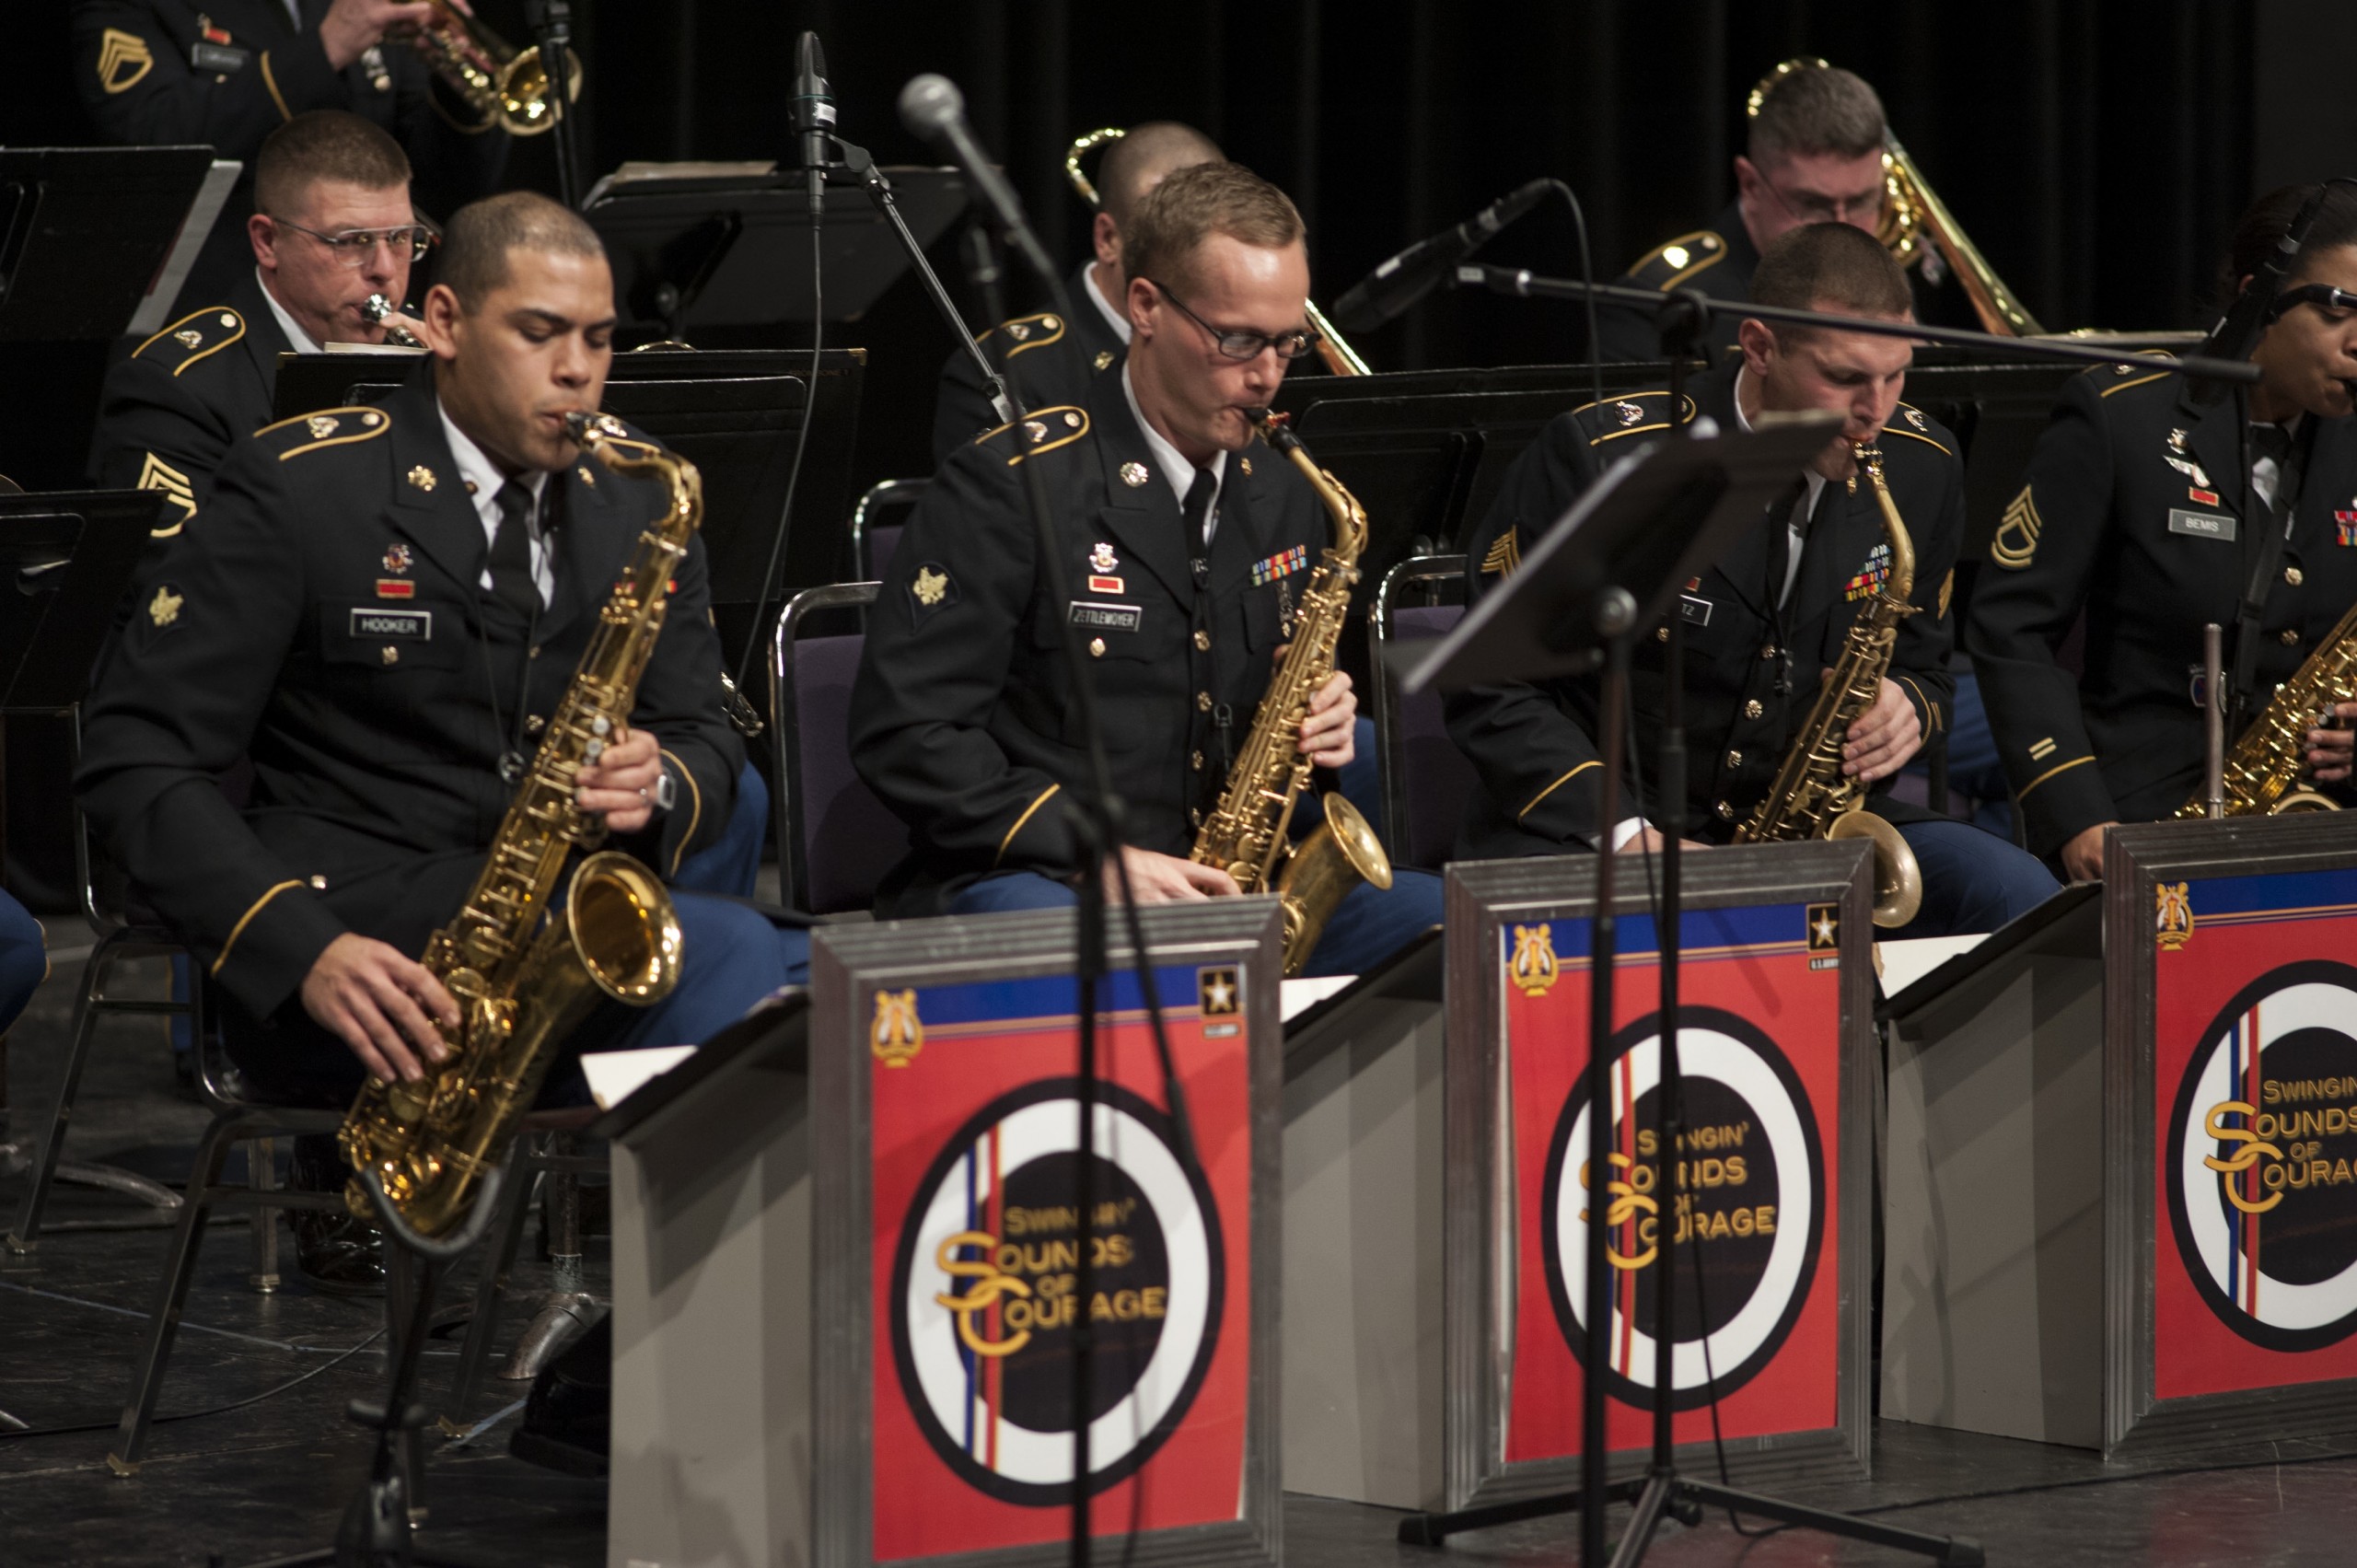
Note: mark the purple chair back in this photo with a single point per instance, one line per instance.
(837, 840)
(1432, 776)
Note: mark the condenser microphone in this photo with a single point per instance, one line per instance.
(934, 110)
(1415, 271)
(812, 109)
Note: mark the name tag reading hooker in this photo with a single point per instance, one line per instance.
(414, 625)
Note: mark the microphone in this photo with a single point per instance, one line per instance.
(934, 110)
(812, 109)
(2237, 332)
(1412, 275)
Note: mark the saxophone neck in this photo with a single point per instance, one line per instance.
(606, 438)
(1349, 517)
(1901, 583)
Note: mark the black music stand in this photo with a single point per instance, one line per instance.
(83, 231)
(1608, 569)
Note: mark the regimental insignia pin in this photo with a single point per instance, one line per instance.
(897, 1035)
(1246, 464)
(1533, 967)
(1036, 430)
(1017, 330)
(2171, 915)
(930, 587)
(1915, 417)
(189, 337)
(2177, 441)
(164, 608)
(587, 477)
(1134, 475)
(1102, 558)
(397, 557)
(1825, 928)
(1219, 991)
(422, 477)
(1104, 358)
(1629, 412)
(321, 425)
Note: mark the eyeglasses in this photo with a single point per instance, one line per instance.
(1809, 207)
(1239, 344)
(353, 247)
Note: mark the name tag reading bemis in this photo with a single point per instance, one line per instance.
(415, 625)
(1107, 617)
(2204, 525)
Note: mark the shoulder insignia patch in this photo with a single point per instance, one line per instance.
(154, 473)
(164, 608)
(1504, 555)
(2016, 542)
(1668, 265)
(1027, 333)
(199, 334)
(930, 591)
(330, 427)
(123, 59)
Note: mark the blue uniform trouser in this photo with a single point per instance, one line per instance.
(731, 957)
(1973, 881)
(22, 962)
(731, 864)
(1367, 927)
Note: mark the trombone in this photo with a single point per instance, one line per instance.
(1340, 356)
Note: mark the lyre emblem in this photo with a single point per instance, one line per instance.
(2171, 915)
(1533, 967)
(895, 1036)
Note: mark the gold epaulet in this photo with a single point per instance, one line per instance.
(1666, 266)
(1046, 430)
(197, 335)
(328, 427)
(1629, 414)
(1914, 423)
(1027, 333)
(2120, 377)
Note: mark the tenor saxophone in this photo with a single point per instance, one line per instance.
(1812, 797)
(1245, 835)
(523, 975)
(2262, 770)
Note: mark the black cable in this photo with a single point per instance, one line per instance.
(336, 1360)
(801, 442)
(1587, 276)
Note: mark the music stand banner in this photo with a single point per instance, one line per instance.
(2234, 1046)
(1766, 1221)
(950, 1095)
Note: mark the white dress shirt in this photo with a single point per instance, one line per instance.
(482, 481)
(297, 338)
(1173, 462)
(1118, 319)
(1797, 527)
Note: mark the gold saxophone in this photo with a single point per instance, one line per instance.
(1812, 798)
(1245, 835)
(522, 977)
(2262, 770)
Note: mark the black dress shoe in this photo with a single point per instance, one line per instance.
(568, 1416)
(334, 1253)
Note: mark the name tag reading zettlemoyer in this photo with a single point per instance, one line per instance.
(1101, 617)
(2204, 525)
(414, 625)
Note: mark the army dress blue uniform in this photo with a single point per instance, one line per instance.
(963, 717)
(2140, 517)
(1753, 659)
(1053, 361)
(326, 622)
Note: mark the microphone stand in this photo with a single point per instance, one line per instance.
(1684, 317)
(551, 23)
(857, 163)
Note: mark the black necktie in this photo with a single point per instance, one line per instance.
(1198, 506)
(511, 551)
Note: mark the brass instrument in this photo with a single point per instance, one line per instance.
(522, 976)
(1811, 798)
(1246, 833)
(1340, 356)
(507, 87)
(377, 308)
(1915, 222)
(2262, 775)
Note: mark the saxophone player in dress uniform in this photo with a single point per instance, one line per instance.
(2145, 520)
(1763, 624)
(1185, 544)
(379, 612)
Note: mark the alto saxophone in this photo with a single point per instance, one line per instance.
(2262, 770)
(1245, 834)
(525, 976)
(1812, 797)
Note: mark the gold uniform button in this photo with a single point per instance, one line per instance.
(1195, 761)
(534, 725)
(2293, 576)
(1752, 709)
(1735, 759)
(1661, 634)
(1727, 812)
(1203, 702)
(1768, 650)
(1202, 640)
(535, 653)
(319, 883)
(1096, 648)
(2290, 638)
(389, 654)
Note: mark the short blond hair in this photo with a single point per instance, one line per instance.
(1191, 205)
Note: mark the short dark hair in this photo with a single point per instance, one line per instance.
(325, 144)
(1146, 154)
(482, 234)
(1197, 202)
(2261, 227)
(1807, 106)
(1834, 266)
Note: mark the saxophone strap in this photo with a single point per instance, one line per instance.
(2281, 519)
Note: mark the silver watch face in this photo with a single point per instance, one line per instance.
(666, 791)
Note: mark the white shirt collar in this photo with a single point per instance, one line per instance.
(1113, 318)
(1798, 524)
(1173, 462)
(483, 480)
(297, 338)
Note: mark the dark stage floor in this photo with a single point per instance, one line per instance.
(273, 1477)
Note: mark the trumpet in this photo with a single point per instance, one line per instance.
(507, 87)
(377, 308)
(1340, 356)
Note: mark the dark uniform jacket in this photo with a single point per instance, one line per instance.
(171, 413)
(2142, 517)
(963, 719)
(1052, 360)
(1717, 262)
(325, 621)
(1533, 747)
(138, 68)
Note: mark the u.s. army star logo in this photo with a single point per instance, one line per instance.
(164, 608)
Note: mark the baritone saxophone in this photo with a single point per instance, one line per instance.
(524, 976)
(1245, 834)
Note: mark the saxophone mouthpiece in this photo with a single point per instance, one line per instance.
(578, 426)
(1275, 428)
